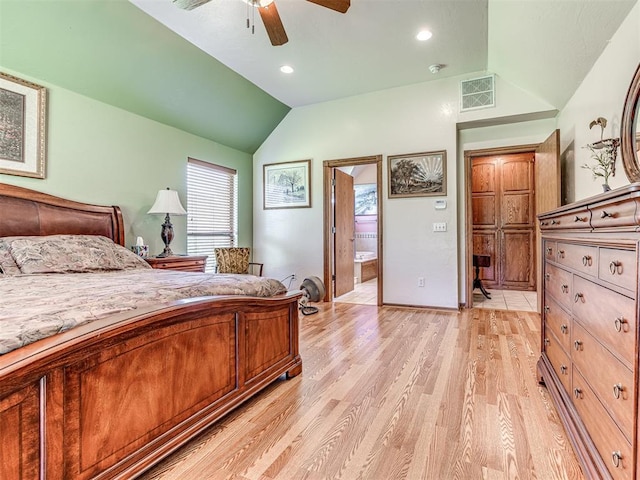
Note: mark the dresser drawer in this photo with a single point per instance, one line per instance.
(583, 258)
(550, 249)
(559, 360)
(618, 267)
(614, 214)
(557, 283)
(608, 316)
(610, 380)
(576, 219)
(558, 321)
(606, 436)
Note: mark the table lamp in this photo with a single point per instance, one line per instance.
(167, 203)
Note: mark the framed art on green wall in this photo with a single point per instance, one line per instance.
(23, 116)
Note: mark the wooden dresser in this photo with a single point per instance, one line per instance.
(589, 360)
(186, 263)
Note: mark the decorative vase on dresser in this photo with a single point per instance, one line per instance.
(590, 329)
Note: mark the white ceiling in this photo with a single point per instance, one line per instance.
(545, 47)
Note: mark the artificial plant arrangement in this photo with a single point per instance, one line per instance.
(604, 153)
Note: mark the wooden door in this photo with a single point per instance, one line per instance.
(503, 212)
(344, 235)
(547, 181)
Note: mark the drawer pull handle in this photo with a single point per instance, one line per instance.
(542, 224)
(548, 250)
(616, 458)
(547, 276)
(577, 392)
(546, 342)
(577, 297)
(606, 214)
(618, 323)
(586, 260)
(564, 287)
(614, 267)
(546, 309)
(564, 328)
(563, 369)
(560, 254)
(555, 222)
(577, 344)
(617, 390)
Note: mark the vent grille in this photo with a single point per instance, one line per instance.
(477, 93)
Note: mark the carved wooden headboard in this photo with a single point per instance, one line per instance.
(28, 212)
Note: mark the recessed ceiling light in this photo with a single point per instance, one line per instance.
(424, 35)
(286, 69)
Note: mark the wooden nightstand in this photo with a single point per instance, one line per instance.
(186, 263)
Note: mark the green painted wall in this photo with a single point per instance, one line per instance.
(112, 51)
(101, 154)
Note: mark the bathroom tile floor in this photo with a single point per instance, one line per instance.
(364, 294)
(507, 300)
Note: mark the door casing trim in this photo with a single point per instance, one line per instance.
(327, 168)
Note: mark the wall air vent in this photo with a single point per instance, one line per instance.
(477, 93)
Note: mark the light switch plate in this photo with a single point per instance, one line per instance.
(440, 226)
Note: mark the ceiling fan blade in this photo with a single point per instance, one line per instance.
(273, 24)
(338, 5)
(190, 4)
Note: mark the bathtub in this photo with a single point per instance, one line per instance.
(365, 266)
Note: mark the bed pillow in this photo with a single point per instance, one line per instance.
(63, 253)
(7, 263)
(127, 259)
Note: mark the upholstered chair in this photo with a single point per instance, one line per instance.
(236, 260)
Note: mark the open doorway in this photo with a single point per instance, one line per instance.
(353, 230)
(506, 188)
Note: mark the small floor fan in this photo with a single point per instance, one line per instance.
(312, 291)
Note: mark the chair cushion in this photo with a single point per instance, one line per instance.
(233, 259)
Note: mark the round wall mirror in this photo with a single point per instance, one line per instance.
(630, 130)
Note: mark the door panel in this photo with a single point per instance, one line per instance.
(516, 210)
(484, 243)
(344, 222)
(517, 262)
(484, 211)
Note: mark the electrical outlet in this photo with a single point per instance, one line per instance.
(293, 276)
(440, 226)
(421, 281)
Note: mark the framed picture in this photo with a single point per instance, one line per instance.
(366, 199)
(287, 185)
(23, 119)
(418, 174)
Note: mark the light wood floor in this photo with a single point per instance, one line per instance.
(394, 393)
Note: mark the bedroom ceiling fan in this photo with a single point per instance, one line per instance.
(269, 14)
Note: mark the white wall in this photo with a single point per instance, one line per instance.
(601, 94)
(410, 119)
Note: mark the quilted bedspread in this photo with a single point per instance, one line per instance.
(33, 307)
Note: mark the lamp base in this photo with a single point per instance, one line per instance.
(167, 235)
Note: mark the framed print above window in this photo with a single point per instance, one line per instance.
(418, 174)
(23, 119)
(287, 185)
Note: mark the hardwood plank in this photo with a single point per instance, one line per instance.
(394, 393)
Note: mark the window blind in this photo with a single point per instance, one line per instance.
(212, 203)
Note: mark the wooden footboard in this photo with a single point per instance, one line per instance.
(111, 398)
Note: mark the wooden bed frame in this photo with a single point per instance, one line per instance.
(109, 399)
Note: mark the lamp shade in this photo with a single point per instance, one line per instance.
(167, 201)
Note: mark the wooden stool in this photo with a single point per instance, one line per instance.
(481, 261)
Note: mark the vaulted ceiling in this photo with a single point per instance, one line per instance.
(202, 71)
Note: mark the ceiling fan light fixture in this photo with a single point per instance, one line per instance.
(259, 3)
(424, 35)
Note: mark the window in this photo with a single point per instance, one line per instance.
(212, 203)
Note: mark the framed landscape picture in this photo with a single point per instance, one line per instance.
(366, 199)
(22, 127)
(418, 174)
(287, 185)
